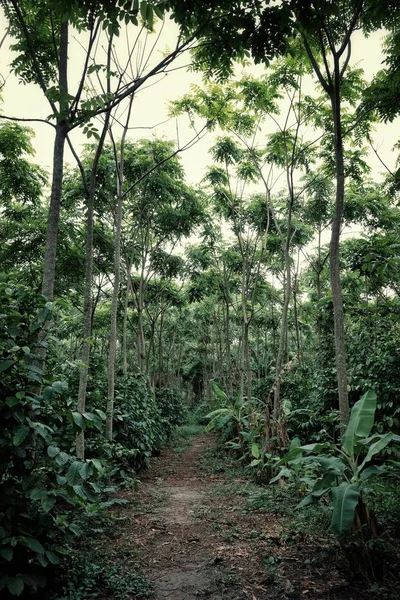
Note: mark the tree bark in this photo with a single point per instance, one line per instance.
(112, 349)
(49, 260)
(337, 300)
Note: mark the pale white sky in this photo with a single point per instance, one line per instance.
(151, 103)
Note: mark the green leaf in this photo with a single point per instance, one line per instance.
(79, 420)
(32, 544)
(52, 451)
(306, 501)
(48, 393)
(371, 471)
(48, 502)
(86, 470)
(376, 448)
(219, 393)
(284, 472)
(79, 491)
(6, 553)
(5, 364)
(298, 451)
(53, 558)
(62, 458)
(60, 386)
(15, 585)
(73, 473)
(75, 529)
(361, 422)
(331, 463)
(20, 434)
(97, 464)
(255, 451)
(345, 499)
(35, 369)
(11, 401)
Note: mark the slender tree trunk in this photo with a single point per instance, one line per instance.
(125, 330)
(339, 327)
(112, 349)
(282, 337)
(49, 261)
(160, 347)
(228, 350)
(87, 299)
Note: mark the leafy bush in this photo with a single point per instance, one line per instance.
(171, 409)
(38, 480)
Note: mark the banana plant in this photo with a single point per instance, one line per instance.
(343, 472)
(233, 413)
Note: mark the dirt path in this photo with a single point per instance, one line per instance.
(194, 536)
(178, 548)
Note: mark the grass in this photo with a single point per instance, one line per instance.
(182, 437)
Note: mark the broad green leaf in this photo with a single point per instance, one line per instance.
(86, 470)
(255, 450)
(295, 443)
(345, 499)
(370, 472)
(79, 420)
(306, 501)
(376, 447)
(52, 451)
(32, 544)
(284, 472)
(53, 558)
(15, 585)
(5, 364)
(97, 464)
(48, 393)
(11, 401)
(6, 553)
(219, 393)
(60, 386)
(360, 423)
(323, 483)
(331, 463)
(298, 450)
(79, 491)
(20, 434)
(255, 462)
(75, 529)
(62, 458)
(73, 474)
(48, 502)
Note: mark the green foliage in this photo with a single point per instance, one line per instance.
(38, 478)
(343, 474)
(90, 577)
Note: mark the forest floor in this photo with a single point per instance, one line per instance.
(196, 529)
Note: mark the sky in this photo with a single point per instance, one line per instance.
(150, 109)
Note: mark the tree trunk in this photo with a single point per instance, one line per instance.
(112, 350)
(87, 299)
(339, 328)
(49, 261)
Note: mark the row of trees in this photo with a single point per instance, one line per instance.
(141, 317)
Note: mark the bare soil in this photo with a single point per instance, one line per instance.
(192, 535)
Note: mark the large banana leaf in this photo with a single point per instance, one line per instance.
(297, 451)
(376, 447)
(360, 424)
(345, 499)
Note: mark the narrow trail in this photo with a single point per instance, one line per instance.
(193, 535)
(179, 548)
